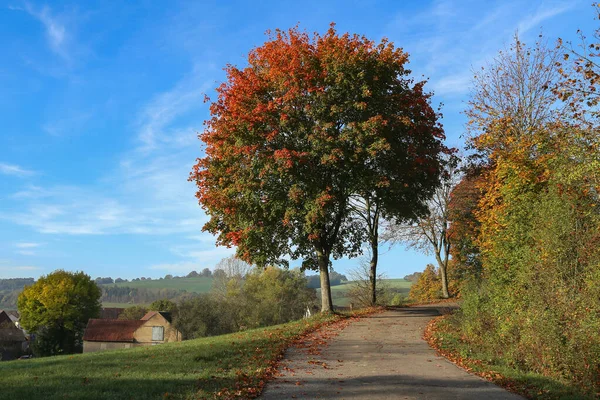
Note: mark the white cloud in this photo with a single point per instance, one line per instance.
(27, 245)
(56, 32)
(452, 84)
(543, 13)
(157, 118)
(14, 170)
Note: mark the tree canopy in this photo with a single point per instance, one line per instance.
(309, 122)
(57, 308)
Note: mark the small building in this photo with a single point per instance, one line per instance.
(12, 339)
(152, 329)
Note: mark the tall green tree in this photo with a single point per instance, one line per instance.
(308, 123)
(57, 308)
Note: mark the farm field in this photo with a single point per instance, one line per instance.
(339, 292)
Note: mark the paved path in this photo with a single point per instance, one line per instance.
(380, 357)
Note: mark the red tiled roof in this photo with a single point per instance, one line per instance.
(164, 314)
(149, 315)
(111, 330)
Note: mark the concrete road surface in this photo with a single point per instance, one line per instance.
(379, 357)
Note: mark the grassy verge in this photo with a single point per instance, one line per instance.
(229, 366)
(443, 335)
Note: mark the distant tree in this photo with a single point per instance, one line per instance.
(168, 276)
(430, 232)
(201, 316)
(361, 291)
(163, 305)
(206, 273)
(336, 278)
(233, 266)
(57, 308)
(219, 273)
(135, 312)
(428, 287)
(104, 281)
(192, 274)
(413, 277)
(307, 124)
(314, 281)
(119, 280)
(269, 297)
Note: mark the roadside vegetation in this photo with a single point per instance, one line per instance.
(525, 224)
(444, 335)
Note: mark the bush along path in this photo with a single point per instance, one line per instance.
(443, 335)
(380, 357)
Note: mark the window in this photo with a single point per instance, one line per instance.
(158, 333)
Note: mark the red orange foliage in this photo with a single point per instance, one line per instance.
(309, 122)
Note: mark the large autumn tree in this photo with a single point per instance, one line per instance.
(308, 123)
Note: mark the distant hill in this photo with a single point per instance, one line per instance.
(198, 284)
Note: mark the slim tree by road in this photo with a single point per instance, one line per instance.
(308, 123)
(430, 233)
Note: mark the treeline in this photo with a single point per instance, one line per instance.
(335, 279)
(125, 294)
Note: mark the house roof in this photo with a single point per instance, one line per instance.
(4, 317)
(150, 314)
(8, 331)
(111, 330)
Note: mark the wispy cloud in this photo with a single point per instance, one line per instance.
(157, 119)
(543, 13)
(56, 32)
(27, 245)
(147, 192)
(26, 248)
(14, 170)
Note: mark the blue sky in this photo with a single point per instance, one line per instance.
(101, 101)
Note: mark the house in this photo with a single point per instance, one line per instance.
(105, 334)
(12, 339)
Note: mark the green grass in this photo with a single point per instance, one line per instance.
(194, 369)
(443, 335)
(193, 285)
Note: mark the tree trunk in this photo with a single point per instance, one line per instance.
(373, 271)
(443, 275)
(326, 302)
